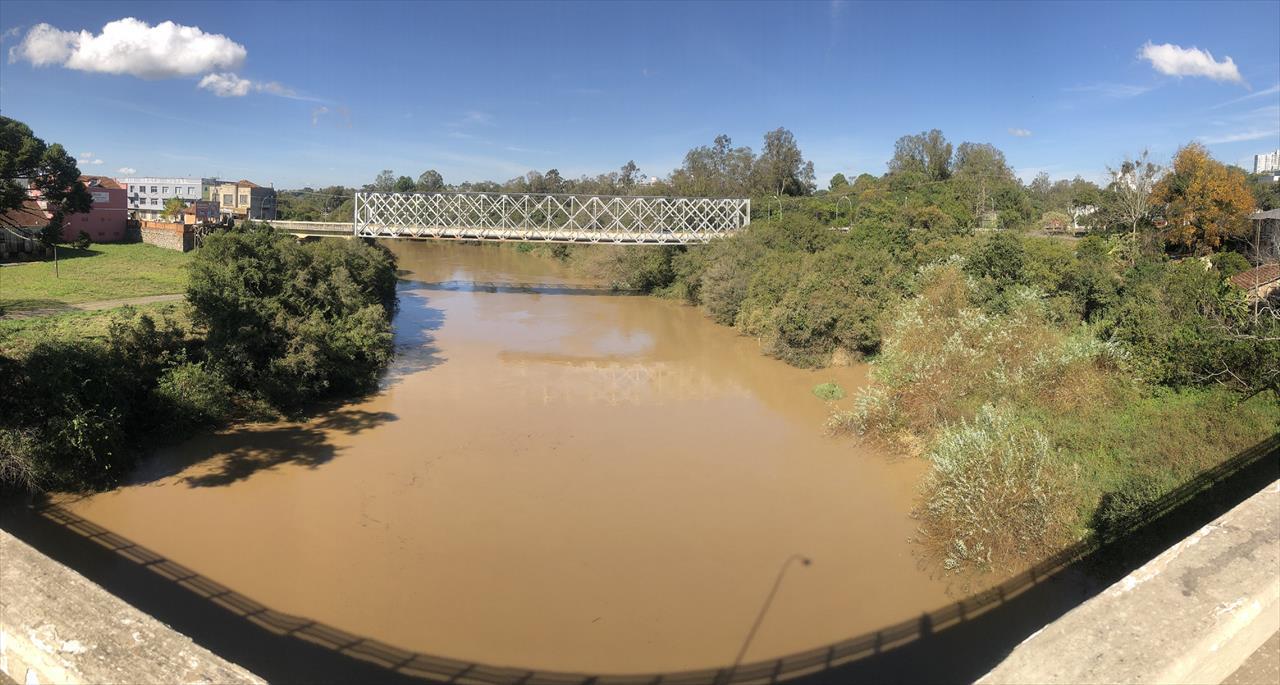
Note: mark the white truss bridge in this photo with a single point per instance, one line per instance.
(549, 218)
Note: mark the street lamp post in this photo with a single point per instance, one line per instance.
(751, 634)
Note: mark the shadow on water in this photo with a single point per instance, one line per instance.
(957, 643)
(227, 458)
(414, 338)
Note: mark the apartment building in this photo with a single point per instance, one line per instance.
(147, 194)
(244, 199)
(1268, 163)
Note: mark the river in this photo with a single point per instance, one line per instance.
(551, 476)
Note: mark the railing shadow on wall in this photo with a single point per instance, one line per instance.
(957, 643)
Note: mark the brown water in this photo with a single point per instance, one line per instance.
(552, 477)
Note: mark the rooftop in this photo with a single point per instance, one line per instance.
(1259, 275)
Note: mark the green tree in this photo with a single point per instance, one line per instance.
(26, 162)
(404, 184)
(1128, 200)
(927, 153)
(781, 168)
(429, 182)
(716, 170)
(838, 181)
(384, 183)
(174, 208)
(629, 175)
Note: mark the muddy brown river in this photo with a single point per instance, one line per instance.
(552, 477)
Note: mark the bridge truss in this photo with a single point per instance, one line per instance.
(549, 218)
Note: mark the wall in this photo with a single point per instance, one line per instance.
(167, 235)
(1193, 614)
(105, 222)
(58, 627)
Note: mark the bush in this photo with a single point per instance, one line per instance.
(295, 322)
(828, 391)
(82, 241)
(194, 396)
(995, 495)
(1229, 264)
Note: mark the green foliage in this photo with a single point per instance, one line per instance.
(829, 391)
(1230, 263)
(26, 160)
(300, 321)
(995, 494)
(82, 241)
(278, 324)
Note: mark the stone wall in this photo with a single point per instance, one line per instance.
(57, 627)
(169, 236)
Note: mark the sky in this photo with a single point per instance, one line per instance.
(311, 94)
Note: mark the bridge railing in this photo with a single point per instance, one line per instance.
(549, 218)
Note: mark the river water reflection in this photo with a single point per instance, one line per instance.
(551, 477)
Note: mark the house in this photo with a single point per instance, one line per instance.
(1260, 282)
(20, 230)
(245, 199)
(201, 212)
(105, 221)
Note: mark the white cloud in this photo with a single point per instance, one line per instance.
(226, 85)
(86, 156)
(96, 161)
(1262, 93)
(126, 170)
(1020, 132)
(10, 33)
(1175, 60)
(1114, 90)
(318, 112)
(131, 46)
(1254, 134)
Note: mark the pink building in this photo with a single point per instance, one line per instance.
(105, 222)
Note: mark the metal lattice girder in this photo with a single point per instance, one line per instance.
(549, 218)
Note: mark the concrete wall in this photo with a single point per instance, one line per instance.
(57, 627)
(1191, 615)
(167, 235)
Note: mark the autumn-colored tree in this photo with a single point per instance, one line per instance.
(1204, 201)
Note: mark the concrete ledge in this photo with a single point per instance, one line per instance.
(57, 627)
(1193, 614)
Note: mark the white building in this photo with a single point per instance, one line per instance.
(1265, 163)
(147, 194)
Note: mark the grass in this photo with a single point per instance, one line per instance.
(17, 336)
(102, 272)
(828, 391)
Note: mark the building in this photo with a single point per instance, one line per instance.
(244, 200)
(201, 212)
(1266, 163)
(105, 221)
(147, 194)
(1260, 282)
(1264, 242)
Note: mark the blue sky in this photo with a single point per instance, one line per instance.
(321, 93)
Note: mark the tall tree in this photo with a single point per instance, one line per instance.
(404, 184)
(1204, 201)
(927, 153)
(1130, 190)
(174, 207)
(28, 164)
(716, 170)
(429, 182)
(384, 183)
(629, 175)
(838, 181)
(781, 168)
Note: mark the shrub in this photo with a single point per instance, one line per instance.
(194, 396)
(828, 391)
(995, 495)
(1229, 263)
(82, 241)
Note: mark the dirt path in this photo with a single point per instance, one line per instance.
(90, 306)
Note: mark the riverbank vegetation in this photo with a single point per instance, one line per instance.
(1057, 377)
(270, 325)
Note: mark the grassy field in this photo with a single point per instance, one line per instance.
(18, 335)
(102, 272)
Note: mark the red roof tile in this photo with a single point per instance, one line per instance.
(1256, 276)
(29, 215)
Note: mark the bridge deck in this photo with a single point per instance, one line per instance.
(548, 218)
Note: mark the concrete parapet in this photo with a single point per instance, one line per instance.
(57, 627)
(1191, 615)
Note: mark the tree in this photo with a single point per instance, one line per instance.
(429, 182)
(718, 170)
(384, 183)
(174, 208)
(1130, 190)
(781, 168)
(1204, 201)
(28, 164)
(838, 181)
(986, 181)
(928, 153)
(404, 184)
(630, 175)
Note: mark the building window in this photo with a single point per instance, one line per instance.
(226, 200)
(244, 199)
(153, 189)
(191, 190)
(154, 201)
